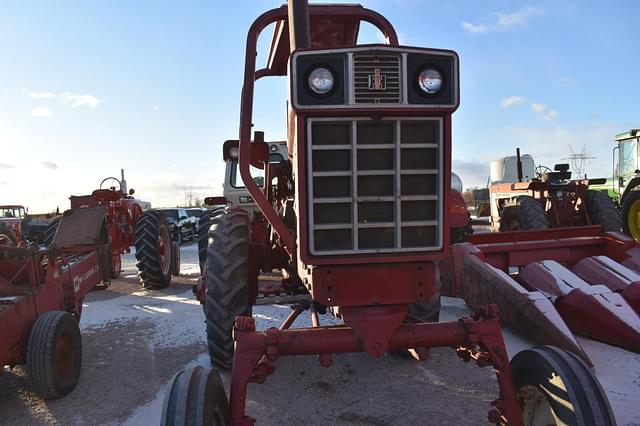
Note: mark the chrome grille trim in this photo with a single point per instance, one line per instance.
(364, 69)
(432, 203)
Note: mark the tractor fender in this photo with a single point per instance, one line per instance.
(458, 210)
(631, 185)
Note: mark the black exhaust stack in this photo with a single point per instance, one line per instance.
(299, 32)
(518, 165)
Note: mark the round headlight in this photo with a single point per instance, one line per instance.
(321, 81)
(430, 81)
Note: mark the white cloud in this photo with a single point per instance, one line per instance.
(38, 95)
(519, 17)
(6, 166)
(512, 101)
(76, 100)
(41, 111)
(539, 108)
(67, 98)
(504, 21)
(50, 165)
(544, 112)
(475, 29)
(155, 107)
(550, 115)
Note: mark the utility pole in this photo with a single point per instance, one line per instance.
(578, 160)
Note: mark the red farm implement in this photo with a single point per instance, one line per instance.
(41, 293)
(553, 283)
(131, 222)
(360, 212)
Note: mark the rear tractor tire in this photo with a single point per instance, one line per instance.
(227, 282)
(196, 397)
(54, 354)
(204, 223)
(154, 250)
(527, 215)
(7, 236)
(631, 214)
(603, 212)
(556, 387)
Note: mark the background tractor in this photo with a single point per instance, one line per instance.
(22, 228)
(624, 188)
(525, 197)
(360, 212)
(132, 222)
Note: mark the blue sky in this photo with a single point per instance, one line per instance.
(87, 88)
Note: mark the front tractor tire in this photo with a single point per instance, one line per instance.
(556, 387)
(154, 250)
(603, 212)
(527, 215)
(227, 282)
(631, 214)
(196, 397)
(54, 355)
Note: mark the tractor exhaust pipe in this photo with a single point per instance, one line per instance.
(299, 33)
(518, 165)
(123, 183)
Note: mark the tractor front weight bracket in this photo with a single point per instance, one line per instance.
(478, 338)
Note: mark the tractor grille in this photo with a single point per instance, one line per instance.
(376, 79)
(374, 186)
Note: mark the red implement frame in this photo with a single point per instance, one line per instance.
(34, 281)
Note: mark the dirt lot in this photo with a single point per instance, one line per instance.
(134, 341)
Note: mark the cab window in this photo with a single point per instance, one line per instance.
(628, 157)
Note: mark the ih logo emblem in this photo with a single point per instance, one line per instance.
(377, 81)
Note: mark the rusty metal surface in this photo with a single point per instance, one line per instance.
(81, 227)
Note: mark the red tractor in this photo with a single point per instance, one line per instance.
(360, 213)
(132, 222)
(11, 217)
(41, 293)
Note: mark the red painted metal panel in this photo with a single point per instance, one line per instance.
(372, 284)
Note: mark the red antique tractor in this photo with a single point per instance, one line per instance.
(11, 217)
(41, 293)
(360, 213)
(132, 222)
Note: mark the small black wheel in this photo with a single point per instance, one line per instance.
(227, 282)
(153, 250)
(54, 354)
(556, 387)
(196, 397)
(603, 212)
(631, 214)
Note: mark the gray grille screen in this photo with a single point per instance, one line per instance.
(374, 186)
(376, 79)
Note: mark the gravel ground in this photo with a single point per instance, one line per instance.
(134, 341)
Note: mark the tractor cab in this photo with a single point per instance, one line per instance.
(11, 218)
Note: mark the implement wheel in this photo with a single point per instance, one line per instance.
(54, 354)
(603, 212)
(196, 398)
(153, 250)
(227, 282)
(556, 387)
(631, 214)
